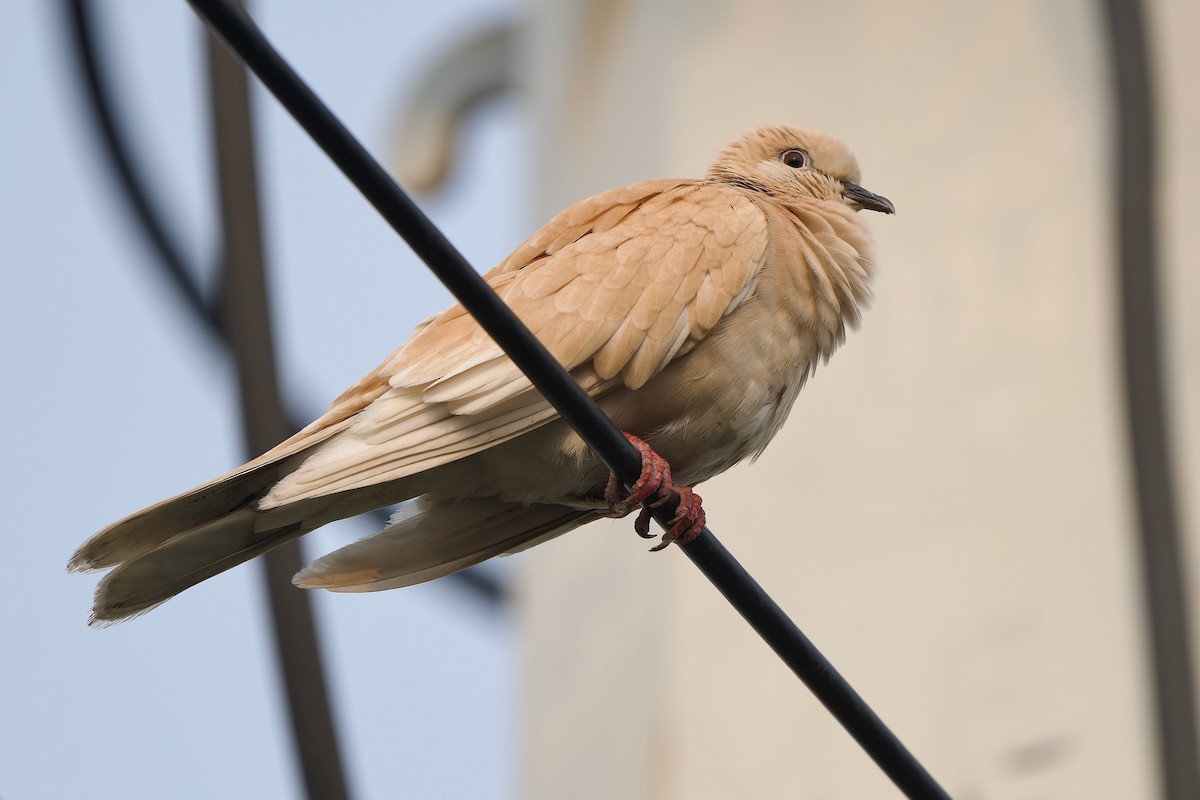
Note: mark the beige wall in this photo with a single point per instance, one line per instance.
(947, 513)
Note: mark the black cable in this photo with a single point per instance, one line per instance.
(1145, 406)
(181, 274)
(244, 38)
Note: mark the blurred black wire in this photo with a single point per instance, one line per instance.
(246, 314)
(181, 273)
(134, 186)
(1163, 578)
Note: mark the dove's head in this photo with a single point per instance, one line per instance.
(785, 161)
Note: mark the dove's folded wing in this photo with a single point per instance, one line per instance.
(615, 287)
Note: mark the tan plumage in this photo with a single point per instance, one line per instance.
(693, 310)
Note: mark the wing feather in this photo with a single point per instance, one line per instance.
(615, 287)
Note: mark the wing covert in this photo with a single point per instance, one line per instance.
(615, 287)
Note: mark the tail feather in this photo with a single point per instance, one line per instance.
(143, 582)
(151, 527)
(427, 540)
(174, 545)
(142, 532)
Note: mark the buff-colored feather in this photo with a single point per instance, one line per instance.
(693, 310)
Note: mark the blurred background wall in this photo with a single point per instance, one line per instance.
(949, 513)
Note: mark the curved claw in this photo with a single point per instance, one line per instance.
(688, 521)
(641, 525)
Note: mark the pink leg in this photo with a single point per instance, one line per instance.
(655, 481)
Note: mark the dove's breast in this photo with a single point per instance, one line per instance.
(725, 400)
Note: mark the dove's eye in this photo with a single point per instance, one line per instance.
(796, 159)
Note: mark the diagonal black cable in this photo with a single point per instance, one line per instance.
(163, 242)
(1163, 562)
(244, 38)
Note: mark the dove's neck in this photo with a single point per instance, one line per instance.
(826, 254)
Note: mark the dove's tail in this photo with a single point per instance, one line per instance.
(174, 545)
(427, 540)
(166, 548)
(151, 527)
(141, 583)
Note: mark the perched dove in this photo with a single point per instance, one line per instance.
(692, 310)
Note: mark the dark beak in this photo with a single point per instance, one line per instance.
(868, 200)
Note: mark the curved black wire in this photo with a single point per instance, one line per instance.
(1163, 579)
(177, 267)
(164, 243)
(244, 38)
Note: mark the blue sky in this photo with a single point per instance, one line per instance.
(115, 402)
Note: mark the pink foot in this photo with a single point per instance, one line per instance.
(687, 523)
(655, 481)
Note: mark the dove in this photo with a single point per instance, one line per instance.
(692, 310)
